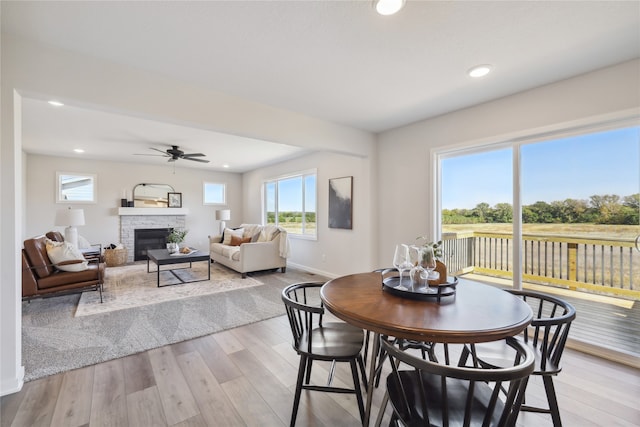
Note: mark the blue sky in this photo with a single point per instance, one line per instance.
(290, 194)
(568, 168)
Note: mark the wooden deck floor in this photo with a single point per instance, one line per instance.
(604, 326)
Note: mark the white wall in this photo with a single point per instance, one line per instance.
(403, 153)
(336, 251)
(102, 221)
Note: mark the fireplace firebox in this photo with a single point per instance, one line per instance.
(148, 238)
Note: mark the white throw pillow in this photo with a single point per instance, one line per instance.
(228, 232)
(61, 252)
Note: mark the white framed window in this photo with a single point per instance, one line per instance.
(290, 202)
(74, 187)
(214, 193)
(578, 182)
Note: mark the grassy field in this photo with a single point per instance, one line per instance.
(626, 232)
(296, 228)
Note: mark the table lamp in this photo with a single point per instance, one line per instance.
(223, 215)
(71, 218)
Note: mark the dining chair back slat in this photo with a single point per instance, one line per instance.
(433, 393)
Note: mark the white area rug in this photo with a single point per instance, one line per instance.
(131, 286)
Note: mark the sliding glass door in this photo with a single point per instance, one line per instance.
(576, 201)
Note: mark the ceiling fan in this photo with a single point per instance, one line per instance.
(174, 153)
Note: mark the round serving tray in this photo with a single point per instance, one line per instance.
(392, 285)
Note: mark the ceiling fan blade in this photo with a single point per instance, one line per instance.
(174, 153)
(160, 151)
(153, 155)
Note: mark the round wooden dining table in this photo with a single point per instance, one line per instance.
(475, 313)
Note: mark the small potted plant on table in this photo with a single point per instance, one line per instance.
(174, 239)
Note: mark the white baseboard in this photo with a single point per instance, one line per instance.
(311, 270)
(12, 385)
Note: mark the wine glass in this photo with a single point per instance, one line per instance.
(401, 260)
(428, 261)
(416, 256)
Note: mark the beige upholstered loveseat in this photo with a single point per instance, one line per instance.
(251, 247)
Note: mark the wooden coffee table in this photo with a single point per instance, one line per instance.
(162, 257)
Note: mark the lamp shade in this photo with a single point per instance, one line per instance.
(70, 217)
(223, 215)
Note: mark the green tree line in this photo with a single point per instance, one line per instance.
(603, 209)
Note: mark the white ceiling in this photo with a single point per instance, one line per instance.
(334, 60)
(57, 131)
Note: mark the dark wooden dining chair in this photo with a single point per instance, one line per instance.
(314, 339)
(439, 394)
(546, 336)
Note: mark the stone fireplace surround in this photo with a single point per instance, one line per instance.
(132, 218)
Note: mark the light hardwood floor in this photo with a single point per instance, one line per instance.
(246, 376)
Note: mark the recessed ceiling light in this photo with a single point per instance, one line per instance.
(388, 7)
(479, 71)
(225, 166)
(56, 103)
(78, 150)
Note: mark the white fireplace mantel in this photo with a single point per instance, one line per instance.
(132, 219)
(152, 211)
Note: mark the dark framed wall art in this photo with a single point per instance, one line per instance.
(341, 202)
(174, 200)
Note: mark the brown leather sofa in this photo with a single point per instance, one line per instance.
(40, 277)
